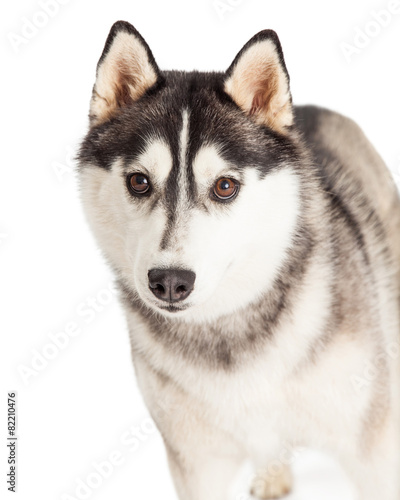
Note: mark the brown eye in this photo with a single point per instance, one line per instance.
(138, 184)
(225, 189)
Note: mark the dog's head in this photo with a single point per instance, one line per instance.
(188, 179)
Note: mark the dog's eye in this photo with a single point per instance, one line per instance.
(225, 189)
(138, 184)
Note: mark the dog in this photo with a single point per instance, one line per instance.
(256, 248)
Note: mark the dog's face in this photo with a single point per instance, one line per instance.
(187, 178)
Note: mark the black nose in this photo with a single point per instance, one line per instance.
(171, 285)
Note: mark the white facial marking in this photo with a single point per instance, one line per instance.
(156, 160)
(208, 165)
(183, 144)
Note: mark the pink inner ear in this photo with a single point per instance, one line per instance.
(257, 103)
(122, 89)
(265, 88)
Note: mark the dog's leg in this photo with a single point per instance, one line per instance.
(272, 482)
(203, 459)
(376, 468)
(378, 478)
(199, 475)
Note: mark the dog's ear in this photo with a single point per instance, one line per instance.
(258, 82)
(125, 71)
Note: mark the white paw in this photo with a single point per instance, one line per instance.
(272, 484)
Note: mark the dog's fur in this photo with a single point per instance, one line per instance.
(290, 336)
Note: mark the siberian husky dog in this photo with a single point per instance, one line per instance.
(256, 246)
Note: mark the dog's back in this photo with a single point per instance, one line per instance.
(352, 170)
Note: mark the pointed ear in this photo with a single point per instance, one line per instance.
(125, 71)
(258, 82)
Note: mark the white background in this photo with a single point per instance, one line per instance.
(75, 409)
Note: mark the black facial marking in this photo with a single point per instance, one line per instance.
(213, 119)
(154, 202)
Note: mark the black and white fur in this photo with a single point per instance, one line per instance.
(296, 279)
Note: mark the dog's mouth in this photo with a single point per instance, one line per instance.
(173, 308)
